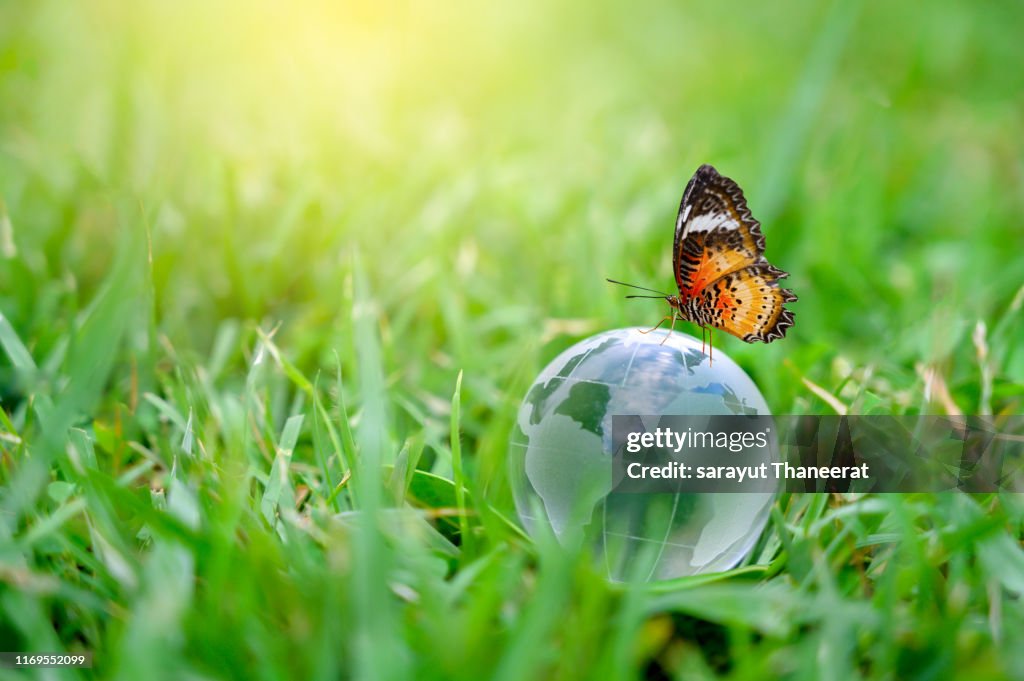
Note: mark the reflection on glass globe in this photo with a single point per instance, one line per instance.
(561, 451)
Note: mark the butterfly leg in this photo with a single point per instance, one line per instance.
(711, 346)
(675, 316)
(655, 328)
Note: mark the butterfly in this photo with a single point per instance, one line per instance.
(723, 278)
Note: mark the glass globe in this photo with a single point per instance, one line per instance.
(561, 451)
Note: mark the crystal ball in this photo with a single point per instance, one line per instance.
(561, 448)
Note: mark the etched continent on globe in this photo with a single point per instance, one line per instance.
(561, 450)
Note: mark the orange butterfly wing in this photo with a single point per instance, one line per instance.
(718, 260)
(748, 303)
(705, 257)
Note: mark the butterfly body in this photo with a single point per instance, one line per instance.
(723, 278)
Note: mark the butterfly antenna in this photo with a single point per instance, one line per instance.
(658, 297)
(642, 288)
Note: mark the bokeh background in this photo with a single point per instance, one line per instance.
(247, 250)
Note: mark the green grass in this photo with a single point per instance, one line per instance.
(273, 284)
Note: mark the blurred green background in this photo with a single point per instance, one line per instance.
(246, 249)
